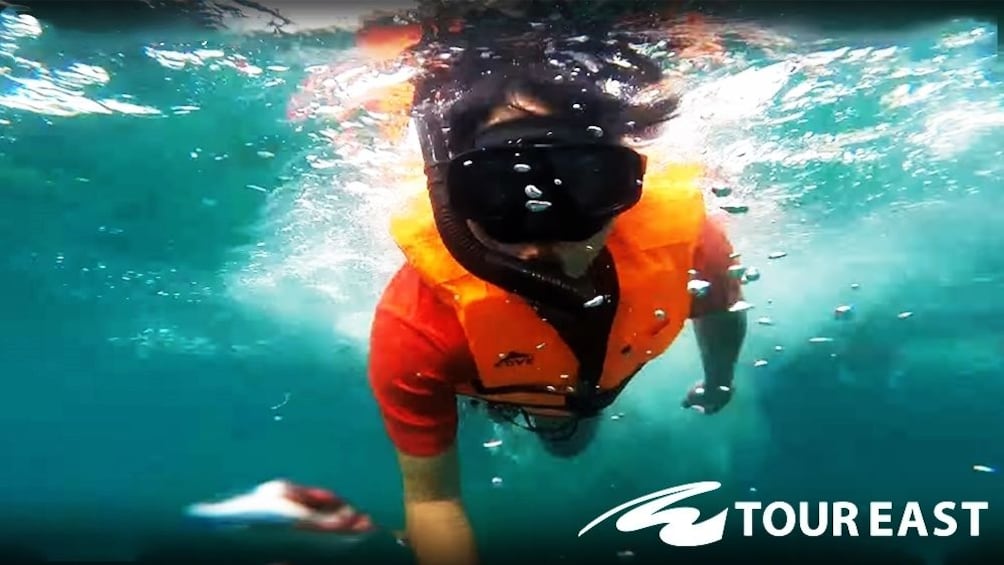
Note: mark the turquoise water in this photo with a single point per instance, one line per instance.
(189, 277)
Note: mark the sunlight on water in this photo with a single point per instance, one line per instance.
(303, 17)
(32, 87)
(331, 221)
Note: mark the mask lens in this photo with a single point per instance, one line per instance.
(601, 180)
(561, 193)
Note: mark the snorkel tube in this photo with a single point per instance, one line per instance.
(519, 277)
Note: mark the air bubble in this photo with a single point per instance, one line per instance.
(698, 287)
(532, 191)
(594, 302)
(521, 168)
(595, 131)
(735, 208)
(557, 182)
(737, 271)
(660, 314)
(777, 255)
(537, 205)
(740, 306)
(468, 163)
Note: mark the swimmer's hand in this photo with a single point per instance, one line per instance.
(285, 505)
(707, 400)
(327, 512)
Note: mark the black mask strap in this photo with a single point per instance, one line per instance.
(543, 130)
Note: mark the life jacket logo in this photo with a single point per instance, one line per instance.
(514, 359)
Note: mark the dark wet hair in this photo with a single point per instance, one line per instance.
(580, 102)
(567, 75)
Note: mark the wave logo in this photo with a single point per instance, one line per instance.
(680, 526)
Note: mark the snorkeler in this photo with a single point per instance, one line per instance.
(547, 263)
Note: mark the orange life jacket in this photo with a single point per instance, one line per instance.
(521, 360)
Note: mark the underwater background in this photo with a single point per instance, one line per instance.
(189, 276)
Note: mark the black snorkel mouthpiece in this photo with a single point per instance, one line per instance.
(451, 209)
(507, 272)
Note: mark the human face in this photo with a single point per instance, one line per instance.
(573, 257)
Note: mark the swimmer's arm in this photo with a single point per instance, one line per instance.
(438, 529)
(720, 336)
(720, 332)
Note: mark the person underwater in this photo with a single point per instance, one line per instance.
(548, 262)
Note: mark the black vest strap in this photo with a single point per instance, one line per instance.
(586, 332)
